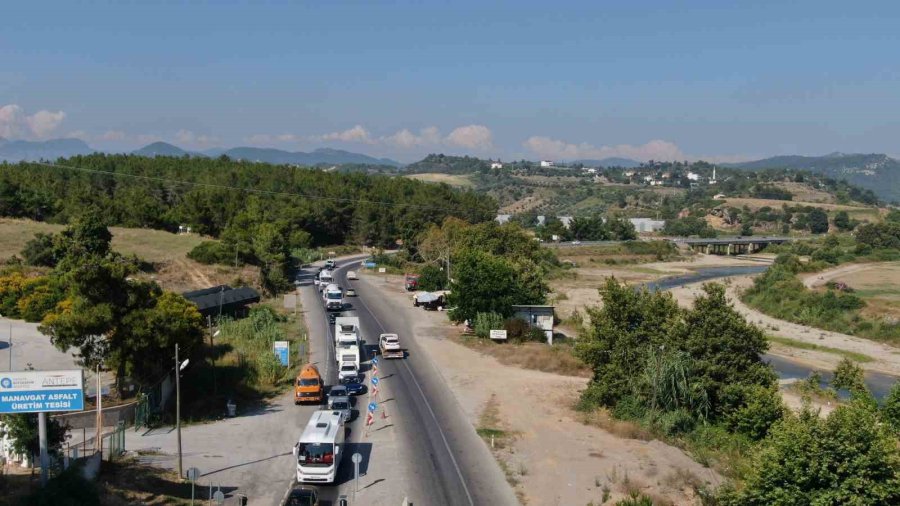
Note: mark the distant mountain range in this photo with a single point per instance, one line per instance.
(16, 151)
(626, 163)
(876, 172)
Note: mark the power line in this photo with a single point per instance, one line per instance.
(245, 190)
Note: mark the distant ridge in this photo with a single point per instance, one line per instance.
(321, 156)
(609, 162)
(877, 172)
(17, 151)
(162, 149)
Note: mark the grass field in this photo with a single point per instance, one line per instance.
(879, 287)
(803, 345)
(451, 179)
(150, 245)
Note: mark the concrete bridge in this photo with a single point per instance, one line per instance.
(729, 245)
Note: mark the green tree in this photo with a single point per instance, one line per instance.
(22, 429)
(849, 376)
(725, 348)
(616, 344)
(42, 250)
(890, 408)
(842, 221)
(847, 458)
(483, 282)
(432, 278)
(818, 221)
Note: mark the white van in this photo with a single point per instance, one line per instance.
(351, 275)
(319, 450)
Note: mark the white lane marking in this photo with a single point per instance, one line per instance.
(430, 411)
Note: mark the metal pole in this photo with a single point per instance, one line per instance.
(99, 437)
(10, 346)
(178, 413)
(42, 442)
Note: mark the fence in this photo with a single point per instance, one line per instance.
(112, 447)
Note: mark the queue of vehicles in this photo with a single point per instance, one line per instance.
(319, 449)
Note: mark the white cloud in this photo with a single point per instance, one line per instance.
(10, 120)
(428, 136)
(478, 137)
(113, 136)
(356, 134)
(555, 149)
(15, 123)
(190, 138)
(43, 123)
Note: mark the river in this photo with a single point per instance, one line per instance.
(879, 383)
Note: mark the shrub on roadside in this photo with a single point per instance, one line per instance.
(753, 410)
(211, 252)
(485, 322)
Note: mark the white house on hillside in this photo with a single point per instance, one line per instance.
(496, 165)
(547, 163)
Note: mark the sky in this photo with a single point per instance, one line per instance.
(560, 80)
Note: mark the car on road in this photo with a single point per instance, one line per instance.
(332, 317)
(576, 243)
(348, 370)
(351, 275)
(354, 385)
(342, 405)
(330, 264)
(350, 292)
(302, 496)
(338, 391)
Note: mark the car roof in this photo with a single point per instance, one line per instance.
(339, 398)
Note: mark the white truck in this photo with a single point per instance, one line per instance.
(319, 450)
(346, 331)
(389, 346)
(347, 354)
(333, 297)
(326, 277)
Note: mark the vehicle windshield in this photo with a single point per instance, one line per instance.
(315, 454)
(307, 382)
(348, 368)
(340, 405)
(334, 295)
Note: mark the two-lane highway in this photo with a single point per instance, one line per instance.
(447, 463)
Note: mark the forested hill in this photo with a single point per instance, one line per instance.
(303, 206)
(448, 165)
(876, 172)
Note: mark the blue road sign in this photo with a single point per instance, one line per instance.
(374, 380)
(375, 360)
(282, 351)
(36, 391)
(372, 406)
(369, 265)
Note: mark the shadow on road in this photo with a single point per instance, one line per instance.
(345, 474)
(246, 464)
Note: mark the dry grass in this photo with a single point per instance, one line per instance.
(151, 245)
(451, 179)
(620, 428)
(130, 482)
(879, 287)
(755, 204)
(557, 359)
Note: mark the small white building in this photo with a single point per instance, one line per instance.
(540, 317)
(589, 170)
(503, 218)
(656, 182)
(648, 178)
(647, 224)
(628, 173)
(496, 165)
(693, 176)
(566, 220)
(547, 163)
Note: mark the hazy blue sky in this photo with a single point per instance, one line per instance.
(558, 79)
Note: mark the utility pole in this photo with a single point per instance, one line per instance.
(178, 408)
(42, 441)
(99, 437)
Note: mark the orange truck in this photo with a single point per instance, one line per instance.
(308, 387)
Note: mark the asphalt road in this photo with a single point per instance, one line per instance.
(448, 464)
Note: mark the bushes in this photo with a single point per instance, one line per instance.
(485, 322)
(252, 340)
(753, 410)
(28, 297)
(212, 252)
(432, 278)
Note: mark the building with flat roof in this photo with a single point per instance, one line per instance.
(223, 300)
(538, 316)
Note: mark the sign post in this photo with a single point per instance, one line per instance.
(192, 475)
(42, 392)
(283, 352)
(499, 335)
(356, 458)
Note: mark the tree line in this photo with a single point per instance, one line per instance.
(306, 206)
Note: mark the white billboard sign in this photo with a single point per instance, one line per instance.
(37, 391)
(498, 334)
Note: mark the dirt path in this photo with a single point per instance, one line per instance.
(886, 358)
(554, 458)
(820, 278)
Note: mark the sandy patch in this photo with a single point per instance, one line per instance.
(554, 458)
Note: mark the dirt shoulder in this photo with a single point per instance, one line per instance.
(551, 456)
